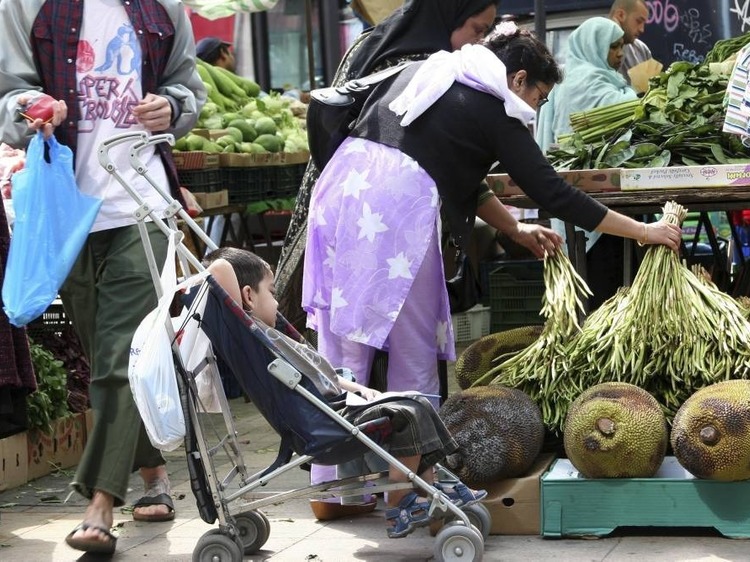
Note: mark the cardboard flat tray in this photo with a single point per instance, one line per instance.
(590, 181)
(195, 160)
(244, 160)
(576, 506)
(639, 179)
(679, 177)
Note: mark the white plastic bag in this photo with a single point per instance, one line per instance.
(214, 9)
(151, 367)
(194, 348)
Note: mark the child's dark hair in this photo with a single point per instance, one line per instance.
(249, 268)
(523, 51)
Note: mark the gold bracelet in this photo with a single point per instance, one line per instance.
(645, 236)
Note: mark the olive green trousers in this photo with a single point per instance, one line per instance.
(106, 295)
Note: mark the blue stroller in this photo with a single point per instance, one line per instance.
(282, 381)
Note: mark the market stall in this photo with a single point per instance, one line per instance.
(611, 187)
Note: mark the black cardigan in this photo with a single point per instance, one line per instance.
(458, 139)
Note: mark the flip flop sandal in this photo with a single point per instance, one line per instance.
(92, 545)
(160, 499)
(462, 495)
(409, 515)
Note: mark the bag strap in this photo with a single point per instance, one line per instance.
(359, 84)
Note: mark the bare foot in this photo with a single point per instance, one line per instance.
(155, 481)
(98, 514)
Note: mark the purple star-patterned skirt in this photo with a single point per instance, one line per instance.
(373, 271)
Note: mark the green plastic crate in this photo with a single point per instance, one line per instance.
(576, 506)
(516, 290)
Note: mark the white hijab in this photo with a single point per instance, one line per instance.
(472, 65)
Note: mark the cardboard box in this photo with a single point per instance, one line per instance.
(60, 449)
(70, 438)
(515, 503)
(245, 160)
(212, 200)
(589, 507)
(41, 453)
(677, 177)
(195, 160)
(89, 421)
(591, 181)
(14, 461)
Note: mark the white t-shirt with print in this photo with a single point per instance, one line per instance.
(108, 76)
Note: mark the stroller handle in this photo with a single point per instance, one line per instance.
(103, 152)
(144, 142)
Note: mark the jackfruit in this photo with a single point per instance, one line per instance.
(499, 431)
(615, 430)
(480, 356)
(711, 432)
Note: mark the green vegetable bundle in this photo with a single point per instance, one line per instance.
(677, 122)
(671, 333)
(538, 369)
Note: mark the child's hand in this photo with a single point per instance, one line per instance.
(368, 394)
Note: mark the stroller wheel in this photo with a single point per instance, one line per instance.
(479, 516)
(457, 543)
(214, 546)
(253, 528)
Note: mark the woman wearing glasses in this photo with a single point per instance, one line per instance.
(591, 80)
(373, 272)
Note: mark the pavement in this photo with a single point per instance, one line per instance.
(36, 517)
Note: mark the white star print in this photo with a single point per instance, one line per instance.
(399, 267)
(337, 299)
(331, 259)
(409, 163)
(355, 183)
(359, 336)
(320, 219)
(442, 335)
(355, 145)
(319, 300)
(435, 196)
(370, 224)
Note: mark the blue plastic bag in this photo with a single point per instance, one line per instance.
(52, 222)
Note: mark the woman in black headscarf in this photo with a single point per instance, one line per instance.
(413, 32)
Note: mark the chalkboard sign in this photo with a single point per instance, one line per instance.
(687, 29)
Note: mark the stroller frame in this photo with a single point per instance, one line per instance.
(243, 529)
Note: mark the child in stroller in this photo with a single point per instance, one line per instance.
(419, 439)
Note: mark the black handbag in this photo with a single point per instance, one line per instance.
(333, 111)
(464, 289)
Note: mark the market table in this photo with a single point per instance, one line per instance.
(645, 203)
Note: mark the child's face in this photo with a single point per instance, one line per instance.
(263, 302)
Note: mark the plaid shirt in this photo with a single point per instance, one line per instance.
(55, 43)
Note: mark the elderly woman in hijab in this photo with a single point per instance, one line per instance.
(413, 32)
(591, 78)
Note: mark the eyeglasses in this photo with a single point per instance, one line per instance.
(542, 97)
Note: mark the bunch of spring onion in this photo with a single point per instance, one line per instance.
(537, 369)
(671, 333)
(601, 122)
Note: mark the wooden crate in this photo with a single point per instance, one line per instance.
(576, 506)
